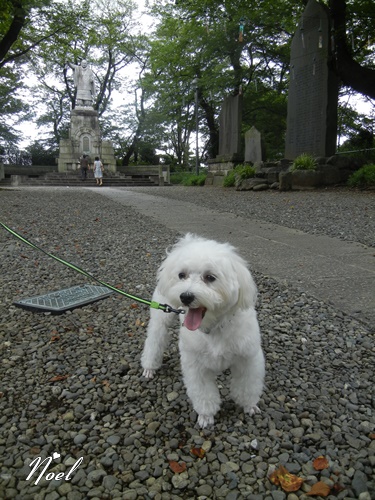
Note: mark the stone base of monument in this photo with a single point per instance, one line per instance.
(219, 167)
(300, 180)
(215, 179)
(332, 171)
(324, 175)
(85, 138)
(252, 184)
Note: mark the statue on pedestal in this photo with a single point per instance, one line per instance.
(84, 130)
(84, 83)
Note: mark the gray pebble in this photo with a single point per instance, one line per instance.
(359, 483)
(113, 440)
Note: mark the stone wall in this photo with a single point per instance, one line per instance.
(332, 171)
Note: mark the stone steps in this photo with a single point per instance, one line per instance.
(74, 180)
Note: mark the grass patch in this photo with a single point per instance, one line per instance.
(363, 177)
(188, 178)
(179, 177)
(238, 174)
(196, 180)
(304, 162)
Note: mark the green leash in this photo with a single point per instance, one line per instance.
(151, 303)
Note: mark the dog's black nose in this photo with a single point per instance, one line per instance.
(187, 298)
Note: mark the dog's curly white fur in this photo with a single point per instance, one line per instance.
(219, 330)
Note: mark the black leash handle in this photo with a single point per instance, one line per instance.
(151, 303)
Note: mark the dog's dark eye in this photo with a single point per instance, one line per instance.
(182, 276)
(210, 278)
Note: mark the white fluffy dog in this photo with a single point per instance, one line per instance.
(219, 330)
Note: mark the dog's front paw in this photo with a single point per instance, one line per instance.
(205, 421)
(253, 410)
(148, 373)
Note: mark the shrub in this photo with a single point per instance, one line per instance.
(364, 177)
(304, 162)
(179, 177)
(229, 179)
(237, 174)
(194, 180)
(245, 171)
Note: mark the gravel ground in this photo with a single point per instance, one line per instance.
(340, 213)
(71, 385)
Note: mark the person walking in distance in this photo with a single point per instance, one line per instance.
(98, 171)
(85, 165)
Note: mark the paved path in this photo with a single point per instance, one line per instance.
(339, 272)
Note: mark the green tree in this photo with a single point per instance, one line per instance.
(102, 35)
(228, 49)
(52, 33)
(12, 108)
(25, 27)
(244, 46)
(42, 153)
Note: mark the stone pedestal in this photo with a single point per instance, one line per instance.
(85, 138)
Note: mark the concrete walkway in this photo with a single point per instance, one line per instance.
(335, 271)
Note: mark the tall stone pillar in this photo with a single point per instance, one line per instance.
(230, 150)
(313, 87)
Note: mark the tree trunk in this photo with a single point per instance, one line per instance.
(130, 151)
(14, 29)
(359, 78)
(213, 145)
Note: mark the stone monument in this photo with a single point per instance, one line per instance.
(253, 146)
(230, 127)
(230, 147)
(84, 130)
(313, 87)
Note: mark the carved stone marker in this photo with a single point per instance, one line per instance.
(313, 88)
(253, 145)
(230, 151)
(230, 126)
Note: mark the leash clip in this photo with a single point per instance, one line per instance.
(169, 309)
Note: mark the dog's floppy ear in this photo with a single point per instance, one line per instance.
(168, 270)
(247, 294)
(163, 279)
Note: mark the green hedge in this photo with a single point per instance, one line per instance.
(363, 177)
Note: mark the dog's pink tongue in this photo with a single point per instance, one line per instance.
(193, 318)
